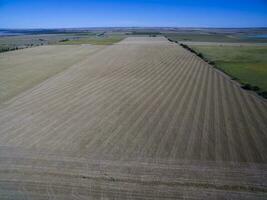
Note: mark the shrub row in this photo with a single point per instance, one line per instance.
(4, 49)
(64, 40)
(256, 89)
(263, 94)
(198, 54)
(250, 87)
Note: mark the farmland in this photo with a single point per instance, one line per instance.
(141, 119)
(94, 41)
(198, 37)
(34, 65)
(218, 35)
(25, 38)
(33, 39)
(246, 63)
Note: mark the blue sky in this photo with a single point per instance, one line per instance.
(115, 13)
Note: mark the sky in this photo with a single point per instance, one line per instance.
(132, 13)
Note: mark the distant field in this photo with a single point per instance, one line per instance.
(108, 36)
(94, 40)
(215, 37)
(28, 40)
(196, 43)
(23, 41)
(246, 63)
(22, 69)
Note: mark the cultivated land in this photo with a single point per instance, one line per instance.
(95, 40)
(227, 35)
(141, 119)
(213, 37)
(27, 41)
(246, 63)
(24, 38)
(23, 69)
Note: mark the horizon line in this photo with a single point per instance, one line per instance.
(181, 27)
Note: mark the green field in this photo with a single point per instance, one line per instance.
(213, 37)
(246, 63)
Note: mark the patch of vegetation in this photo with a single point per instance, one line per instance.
(263, 94)
(64, 40)
(247, 64)
(101, 34)
(250, 87)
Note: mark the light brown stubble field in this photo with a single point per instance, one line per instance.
(141, 119)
